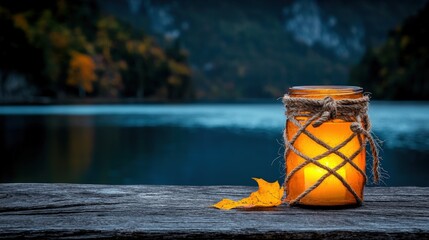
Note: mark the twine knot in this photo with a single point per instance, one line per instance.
(356, 127)
(329, 109)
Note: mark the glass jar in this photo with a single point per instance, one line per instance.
(331, 192)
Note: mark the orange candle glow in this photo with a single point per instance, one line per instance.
(331, 192)
(332, 189)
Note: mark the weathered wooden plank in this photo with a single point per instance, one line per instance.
(99, 211)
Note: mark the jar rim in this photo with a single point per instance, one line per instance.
(325, 89)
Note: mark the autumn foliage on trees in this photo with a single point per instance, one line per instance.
(69, 48)
(81, 72)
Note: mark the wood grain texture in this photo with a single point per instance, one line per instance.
(60, 211)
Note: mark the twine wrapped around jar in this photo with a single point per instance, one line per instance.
(317, 112)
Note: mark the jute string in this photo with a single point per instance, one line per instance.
(316, 112)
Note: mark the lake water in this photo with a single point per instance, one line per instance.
(195, 144)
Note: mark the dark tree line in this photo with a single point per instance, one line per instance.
(398, 69)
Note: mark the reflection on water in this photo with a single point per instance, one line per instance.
(183, 144)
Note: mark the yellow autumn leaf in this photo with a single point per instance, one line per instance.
(268, 195)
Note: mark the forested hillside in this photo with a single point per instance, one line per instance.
(219, 50)
(257, 49)
(399, 68)
(68, 49)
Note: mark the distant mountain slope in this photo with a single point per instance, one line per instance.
(254, 49)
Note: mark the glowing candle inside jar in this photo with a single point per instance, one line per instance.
(330, 192)
(332, 189)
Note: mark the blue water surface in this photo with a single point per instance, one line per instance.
(184, 144)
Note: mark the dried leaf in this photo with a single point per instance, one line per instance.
(268, 195)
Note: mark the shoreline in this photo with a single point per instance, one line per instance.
(126, 101)
(135, 101)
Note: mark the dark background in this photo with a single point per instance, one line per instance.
(187, 91)
(194, 50)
